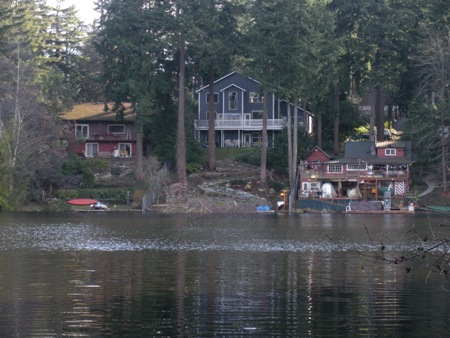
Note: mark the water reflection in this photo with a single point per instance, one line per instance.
(139, 276)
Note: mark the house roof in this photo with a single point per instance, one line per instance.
(224, 77)
(322, 151)
(94, 111)
(359, 150)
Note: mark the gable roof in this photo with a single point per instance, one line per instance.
(317, 148)
(355, 152)
(233, 85)
(94, 111)
(223, 78)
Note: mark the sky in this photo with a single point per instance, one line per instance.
(85, 8)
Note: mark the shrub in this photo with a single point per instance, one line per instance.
(192, 167)
(72, 166)
(97, 165)
(88, 177)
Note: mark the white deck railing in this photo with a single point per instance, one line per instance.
(272, 124)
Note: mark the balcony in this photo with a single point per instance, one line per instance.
(240, 124)
(381, 175)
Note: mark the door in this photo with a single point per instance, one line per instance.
(247, 140)
(125, 149)
(91, 149)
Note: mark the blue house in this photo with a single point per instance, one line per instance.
(238, 110)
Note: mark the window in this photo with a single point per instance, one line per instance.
(91, 149)
(216, 97)
(254, 98)
(390, 152)
(356, 167)
(116, 129)
(232, 101)
(125, 149)
(335, 168)
(256, 137)
(82, 130)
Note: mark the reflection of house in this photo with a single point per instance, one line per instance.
(367, 169)
(238, 107)
(93, 132)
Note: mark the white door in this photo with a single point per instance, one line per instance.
(91, 149)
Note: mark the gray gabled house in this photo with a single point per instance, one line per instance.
(238, 107)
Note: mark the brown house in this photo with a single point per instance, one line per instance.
(366, 171)
(93, 132)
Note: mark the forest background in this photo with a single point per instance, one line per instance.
(326, 55)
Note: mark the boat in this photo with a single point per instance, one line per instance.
(82, 201)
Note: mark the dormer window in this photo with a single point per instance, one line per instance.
(232, 101)
(390, 152)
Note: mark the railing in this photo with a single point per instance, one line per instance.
(273, 124)
(355, 175)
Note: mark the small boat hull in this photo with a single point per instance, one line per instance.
(82, 201)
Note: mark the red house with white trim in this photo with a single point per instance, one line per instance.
(369, 168)
(93, 130)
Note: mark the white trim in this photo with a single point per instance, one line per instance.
(390, 152)
(233, 85)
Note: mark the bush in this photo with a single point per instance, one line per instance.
(114, 194)
(97, 165)
(88, 177)
(276, 186)
(72, 166)
(192, 167)
(57, 205)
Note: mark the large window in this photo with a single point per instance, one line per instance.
(216, 97)
(335, 168)
(82, 131)
(116, 129)
(232, 101)
(390, 152)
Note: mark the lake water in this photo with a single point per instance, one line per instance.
(132, 275)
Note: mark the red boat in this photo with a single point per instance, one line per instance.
(82, 201)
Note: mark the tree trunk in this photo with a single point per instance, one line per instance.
(295, 137)
(289, 142)
(211, 127)
(319, 129)
(336, 119)
(263, 177)
(181, 134)
(379, 117)
(373, 108)
(139, 171)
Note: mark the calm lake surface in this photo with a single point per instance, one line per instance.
(133, 275)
